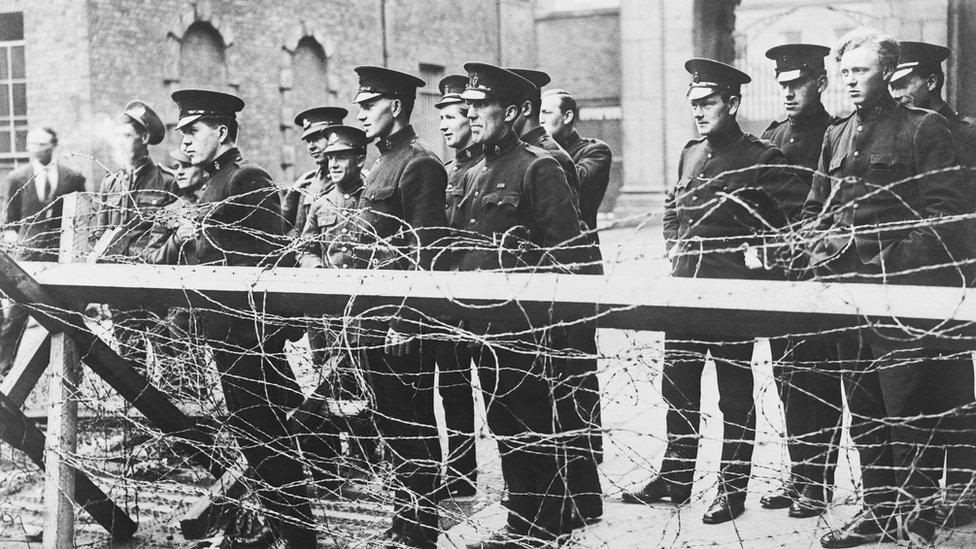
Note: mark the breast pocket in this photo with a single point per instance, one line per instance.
(887, 182)
(500, 211)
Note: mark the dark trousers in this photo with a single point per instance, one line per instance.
(403, 388)
(454, 378)
(807, 375)
(894, 399)
(577, 394)
(958, 430)
(259, 388)
(12, 329)
(684, 359)
(519, 403)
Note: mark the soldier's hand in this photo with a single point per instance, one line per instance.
(400, 344)
(186, 231)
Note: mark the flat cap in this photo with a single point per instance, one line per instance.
(345, 138)
(319, 118)
(488, 81)
(143, 115)
(709, 76)
(918, 55)
(380, 81)
(196, 104)
(451, 87)
(796, 60)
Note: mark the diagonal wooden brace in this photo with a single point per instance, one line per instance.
(26, 372)
(118, 372)
(22, 433)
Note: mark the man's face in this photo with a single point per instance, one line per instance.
(455, 127)
(860, 69)
(188, 175)
(553, 118)
(800, 96)
(489, 119)
(712, 114)
(40, 146)
(127, 144)
(316, 144)
(376, 116)
(912, 90)
(201, 141)
(345, 166)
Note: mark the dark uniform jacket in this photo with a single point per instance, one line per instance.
(593, 159)
(298, 198)
(37, 223)
(539, 137)
(875, 199)
(401, 221)
(964, 133)
(800, 139)
(330, 232)
(726, 198)
(456, 171)
(129, 202)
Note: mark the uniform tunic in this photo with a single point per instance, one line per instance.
(800, 140)
(539, 137)
(329, 229)
(593, 159)
(129, 201)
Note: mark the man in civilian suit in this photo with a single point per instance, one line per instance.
(32, 198)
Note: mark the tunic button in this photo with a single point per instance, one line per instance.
(472, 221)
(345, 266)
(476, 193)
(694, 198)
(484, 169)
(345, 230)
(709, 155)
(345, 196)
(860, 128)
(792, 140)
(376, 262)
(857, 153)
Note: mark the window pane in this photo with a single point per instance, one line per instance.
(4, 141)
(12, 26)
(20, 140)
(4, 73)
(20, 99)
(4, 100)
(17, 62)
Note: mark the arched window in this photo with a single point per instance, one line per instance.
(310, 69)
(203, 63)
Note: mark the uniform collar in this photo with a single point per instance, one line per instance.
(502, 146)
(727, 137)
(229, 157)
(388, 144)
(470, 153)
(357, 187)
(819, 115)
(571, 140)
(883, 107)
(535, 134)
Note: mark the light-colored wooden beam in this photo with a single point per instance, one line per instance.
(35, 350)
(746, 308)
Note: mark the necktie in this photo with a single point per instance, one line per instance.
(45, 185)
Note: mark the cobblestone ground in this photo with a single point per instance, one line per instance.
(633, 417)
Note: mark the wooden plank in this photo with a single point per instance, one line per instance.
(118, 372)
(741, 308)
(220, 499)
(20, 432)
(28, 369)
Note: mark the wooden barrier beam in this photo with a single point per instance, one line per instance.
(118, 372)
(28, 369)
(20, 432)
(738, 308)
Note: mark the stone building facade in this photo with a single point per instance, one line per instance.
(82, 60)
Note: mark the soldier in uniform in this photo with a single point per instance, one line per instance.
(809, 390)
(128, 202)
(882, 179)
(32, 203)
(454, 357)
(328, 233)
(709, 235)
(401, 219)
(242, 226)
(593, 159)
(918, 82)
(517, 213)
(577, 392)
(296, 201)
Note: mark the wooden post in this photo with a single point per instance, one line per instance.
(62, 418)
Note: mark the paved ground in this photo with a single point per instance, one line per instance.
(634, 419)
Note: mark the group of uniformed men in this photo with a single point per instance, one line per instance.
(873, 197)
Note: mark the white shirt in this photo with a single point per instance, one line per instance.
(44, 174)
